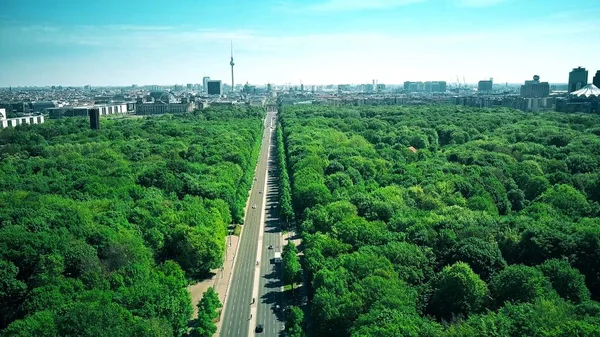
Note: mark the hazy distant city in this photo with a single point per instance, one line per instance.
(27, 104)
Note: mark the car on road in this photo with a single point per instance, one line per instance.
(254, 206)
(260, 192)
(270, 246)
(259, 328)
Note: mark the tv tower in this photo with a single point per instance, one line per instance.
(232, 64)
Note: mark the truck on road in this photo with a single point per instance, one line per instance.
(277, 258)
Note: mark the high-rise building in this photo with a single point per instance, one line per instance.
(435, 86)
(214, 87)
(578, 78)
(485, 85)
(94, 118)
(429, 86)
(596, 80)
(205, 80)
(535, 88)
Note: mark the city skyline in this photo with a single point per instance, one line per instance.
(317, 42)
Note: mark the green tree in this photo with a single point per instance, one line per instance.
(291, 264)
(567, 200)
(483, 257)
(294, 322)
(566, 280)
(207, 314)
(518, 283)
(39, 324)
(458, 291)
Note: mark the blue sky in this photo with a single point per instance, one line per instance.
(75, 42)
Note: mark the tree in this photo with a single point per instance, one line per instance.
(11, 289)
(483, 257)
(517, 284)
(95, 218)
(294, 322)
(291, 264)
(517, 199)
(535, 186)
(386, 322)
(195, 250)
(207, 314)
(458, 291)
(566, 280)
(567, 200)
(94, 319)
(40, 324)
(413, 264)
(210, 303)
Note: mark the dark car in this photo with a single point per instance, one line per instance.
(259, 328)
(270, 246)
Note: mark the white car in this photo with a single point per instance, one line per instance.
(254, 206)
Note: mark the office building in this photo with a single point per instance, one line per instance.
(485, 85)
(429, 86)
(535, 88)
(214, 87)
(82, 111)
(205, 80)
(435, 86)
(17, 108)
(94, 119)
(6, 122)
(42, 106)
(578, 78)
(596, 80)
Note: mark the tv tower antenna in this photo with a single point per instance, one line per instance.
(231, 63)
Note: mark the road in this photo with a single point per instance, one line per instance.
(270, 285)
(238, 306)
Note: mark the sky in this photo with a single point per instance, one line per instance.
(124, 42)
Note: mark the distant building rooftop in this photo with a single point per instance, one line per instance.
(587, 91)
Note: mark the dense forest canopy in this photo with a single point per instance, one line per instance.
(101, 230)
(447, 221)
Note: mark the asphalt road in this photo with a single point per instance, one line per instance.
(236, 317)
(270, 291)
